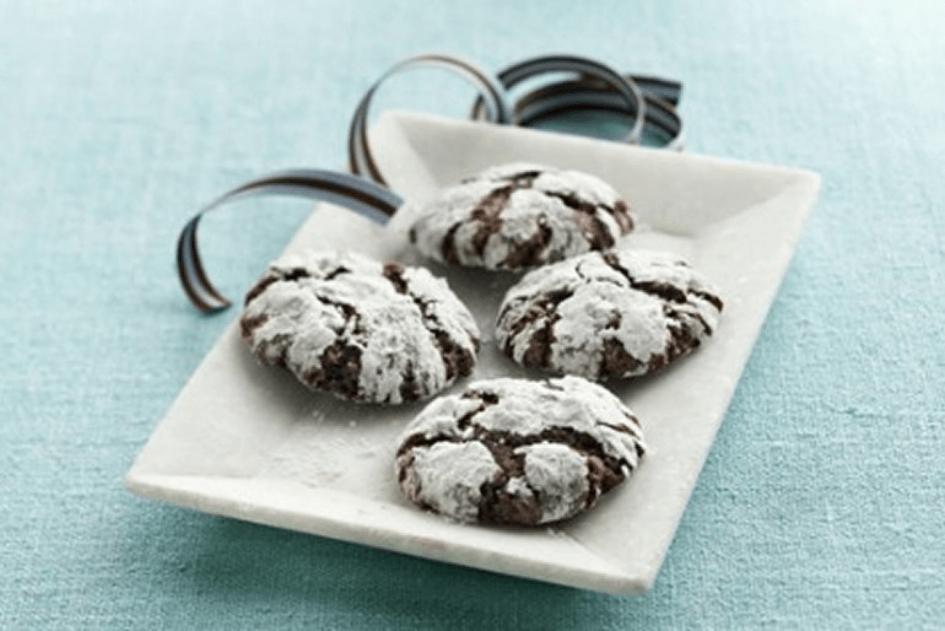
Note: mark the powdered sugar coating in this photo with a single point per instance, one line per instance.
(517, 451)
(454, 490)
(603, 315)
(363, 330)
(558, 475)
(521, 215)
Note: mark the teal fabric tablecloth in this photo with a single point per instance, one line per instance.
(821, 505)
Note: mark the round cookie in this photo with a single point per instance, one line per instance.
(360, 329)
(512, 451)
(607, 315)
(521, 215)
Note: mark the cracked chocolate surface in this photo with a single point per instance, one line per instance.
(607, 315)
(519, 216)
(512, 451)
(359, 329)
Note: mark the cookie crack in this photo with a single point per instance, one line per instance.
(409, 386)
(457, 360)
(487, 215)
(294, 274)
(604, 471)
(349, 312)
(623, 428)
(527, 252)
(488, 211)
(538, 353)
(682, 340)
(337, 272)
(261, 285)
(712, 299)
(339, 370)
(579, 272)
(592, 227)
(667, 292)
(248, 325)
(701, 320)
(496, 504)
(487, 399)
(616, 360)
(420, 439)
(448, 247)
(339, 365)
(621, 213)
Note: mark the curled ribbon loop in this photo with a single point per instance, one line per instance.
(492, 95)
(596, 87)
(357, 194)
(649, 101)
(554, 99)
(666, 90)
(623, 87)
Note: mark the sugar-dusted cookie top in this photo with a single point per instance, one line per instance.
(607, 315)
(514, 451)
(360, 329)
(519, 216)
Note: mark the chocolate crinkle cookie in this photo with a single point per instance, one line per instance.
(512, 451)
(518, 216)
(607, 315)
(360, 329)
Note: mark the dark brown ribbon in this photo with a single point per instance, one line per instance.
(357, 194)
(624, 88)
(492, 96)
(585, 93)
(649, 102)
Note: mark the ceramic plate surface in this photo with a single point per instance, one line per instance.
(249, 442)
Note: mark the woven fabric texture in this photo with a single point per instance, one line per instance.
(821, 503)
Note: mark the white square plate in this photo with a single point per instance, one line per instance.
(249, 442)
